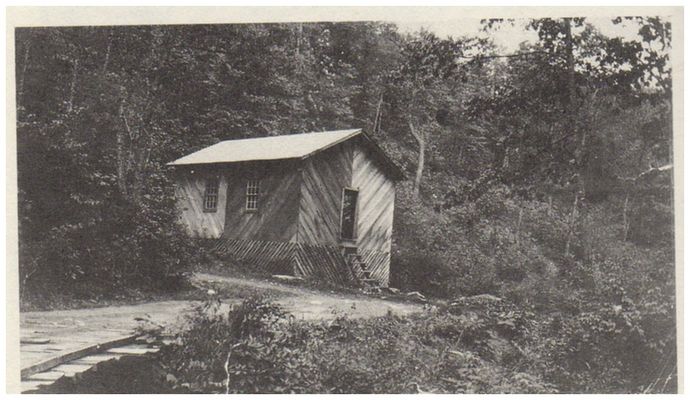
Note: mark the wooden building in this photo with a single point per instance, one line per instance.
(311, 204)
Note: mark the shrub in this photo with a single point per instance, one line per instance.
(126, 247)
(423, 272)
(257, 348)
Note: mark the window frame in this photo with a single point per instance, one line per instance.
(211, 191)
(252, 195)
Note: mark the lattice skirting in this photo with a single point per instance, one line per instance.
(274, 257)
(378, 263)
(300, 259)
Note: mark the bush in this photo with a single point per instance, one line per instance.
(84, 229)
(130, 247)
(606, 351)
(421, 272)
(257, 348)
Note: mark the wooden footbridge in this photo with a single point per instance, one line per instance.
(71, 363)
(61, 343)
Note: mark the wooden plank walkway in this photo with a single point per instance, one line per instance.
(77, 363)
(82, 331)
(74, 350)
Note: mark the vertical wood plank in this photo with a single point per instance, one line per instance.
(189, 190)
(278, 204)
(323, 178)
(376, 203)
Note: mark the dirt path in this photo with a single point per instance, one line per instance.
(312, 304)
(70, 330)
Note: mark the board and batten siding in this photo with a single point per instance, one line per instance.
(347, 165)
(190, 190)
(324, 176)
(375, 207)
(375, 204)
(296, 228)
(279, 196)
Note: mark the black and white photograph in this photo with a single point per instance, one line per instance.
(346, 202)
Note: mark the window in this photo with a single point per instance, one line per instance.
(211, 195)
(252, 195)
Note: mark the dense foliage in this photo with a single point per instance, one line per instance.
(258, 348)
(478, 344)
(540, 177)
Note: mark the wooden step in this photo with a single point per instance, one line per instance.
(96, 358)
(48, 376)
(370, 282)
(72, 369)
(31, 385)
(134, 349)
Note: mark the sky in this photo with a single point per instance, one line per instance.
(508, 37)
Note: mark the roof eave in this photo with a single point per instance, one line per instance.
(173, 164)
(393, 169)
(389, 166)
(332, 144)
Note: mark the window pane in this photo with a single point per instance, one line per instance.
(252, 194)
(211, 195)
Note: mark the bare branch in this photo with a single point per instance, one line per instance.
(414, 132)
(124, 119)
(643, 174)
(104, 69)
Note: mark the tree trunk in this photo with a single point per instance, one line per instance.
(572, 125)
(298, 46)
(626, 222)
(107, 53)
(20, 84)
(571, 225)
(377, 118)
(73, 85)
(580, 149)
(421, 140)
(670, 153)
(298, 49)
(120, 149)
(517, 229)
(570, 63)
(142, 156)
(549, 211)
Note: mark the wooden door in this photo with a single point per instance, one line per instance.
(348, 214)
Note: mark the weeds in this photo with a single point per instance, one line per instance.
(256, 347)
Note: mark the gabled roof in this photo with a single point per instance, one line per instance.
(302, 145)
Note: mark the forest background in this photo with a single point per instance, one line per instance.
(541, 176)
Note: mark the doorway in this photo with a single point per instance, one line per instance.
(348, 214)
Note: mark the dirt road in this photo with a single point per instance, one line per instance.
(312, 304)
(70, 330)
